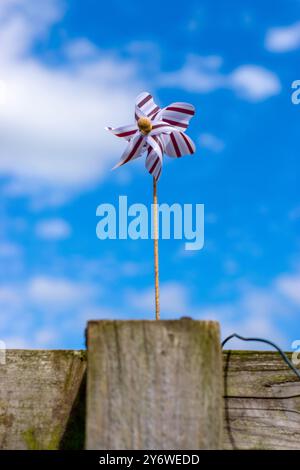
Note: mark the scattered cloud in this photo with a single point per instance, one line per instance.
(198, 74)
(283, 39)
(17, 342)
(289, 286)
(46, 293)
(110, 268)
(42, 311)
(174, 299)
(53, 146)
(250, 82)
(254, 83)
(81, 49)
(11, 259)
(294, 213)
(211, 218)
(52, 118)
(231, 267)
(254, 311)
(45, 336)
(57, 292)
(211, 142)
(10, 250)
(257, 310)
(53, 229)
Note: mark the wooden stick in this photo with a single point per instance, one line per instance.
(156, 268)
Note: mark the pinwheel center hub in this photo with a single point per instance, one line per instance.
(144, 125)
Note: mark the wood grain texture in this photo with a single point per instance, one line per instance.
(42, 399)
(154, 385)
(262, 402)
(38, 399)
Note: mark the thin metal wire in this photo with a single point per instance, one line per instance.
(262, 340)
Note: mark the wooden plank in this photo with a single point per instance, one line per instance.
(42, 400)
(154, 385)
(262, 402)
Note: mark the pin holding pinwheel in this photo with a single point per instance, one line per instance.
(156, 131)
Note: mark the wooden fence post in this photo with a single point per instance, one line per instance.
(42, 400)
(154, 385)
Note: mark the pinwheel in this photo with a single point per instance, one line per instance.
(156, 131)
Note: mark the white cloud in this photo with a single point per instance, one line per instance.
(8, 295)
(58, 292)
(250, 82)
(174, 299)
(42, 311)
(283, 39)
(11, 259)
(254, 83)
(81, 49)
(255, 311)
(231, 267)
(63, 305)
(211, 218)
(211, 142)
(10, 250)
(21, 23)
(45, 336)
(53, 229)
(289, 285)
(109, 268)
(294, 213)
(46, 292)
(42, 338)
(17, 342)
(3, 92)
(52, 119)
(147, 51)
(199, 74)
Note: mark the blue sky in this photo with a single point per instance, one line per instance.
(71, 68)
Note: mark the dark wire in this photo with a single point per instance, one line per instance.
(262, 340)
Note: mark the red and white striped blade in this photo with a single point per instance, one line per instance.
(154, 156)
(127, 132)
(134, 149)
(160, 127)
(145, 106)
(177, 144)
(177, 115)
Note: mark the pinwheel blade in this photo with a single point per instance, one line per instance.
(145, 106)
(134, 149)
(177, 115)
(177, 144)
(154, 156)
(160, 127)
(127, 132)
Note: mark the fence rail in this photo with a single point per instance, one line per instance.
(42, 401)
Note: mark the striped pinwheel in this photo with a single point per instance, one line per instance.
(156, 131)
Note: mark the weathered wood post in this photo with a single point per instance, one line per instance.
(154, 385)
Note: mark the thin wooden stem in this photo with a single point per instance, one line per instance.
(156, 266)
